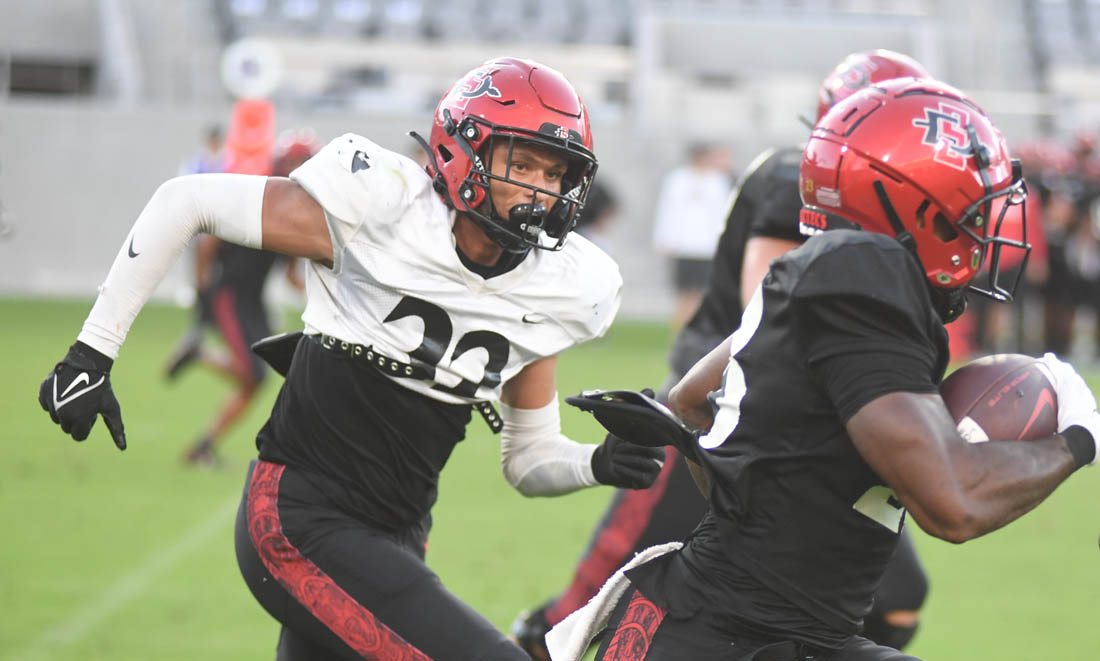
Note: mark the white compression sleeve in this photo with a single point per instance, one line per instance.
(537, 459)
(229, 206)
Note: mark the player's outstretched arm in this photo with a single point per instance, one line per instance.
(538, 460)
(237, 208)
(956, 490)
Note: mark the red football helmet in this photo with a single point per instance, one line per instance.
(918, 160)
(293, 148)
(859, 70)
(509, 99)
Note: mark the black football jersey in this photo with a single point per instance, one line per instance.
(242, 269)
(801, 528)
(765, 202)
(374, 449)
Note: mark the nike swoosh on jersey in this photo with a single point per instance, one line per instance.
(66, 397)
(533, 318)
(130, 250)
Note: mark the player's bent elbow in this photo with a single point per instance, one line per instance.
(174, 204)
(529, 489)
(515, 477)
(173, 192)
(686, 404)
(676, 398)
(541, 482)
(516, 480)
(956, 525)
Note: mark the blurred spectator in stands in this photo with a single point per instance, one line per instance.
(690, 216)
(210, 158)
(1000, 328)
(230, 282)
(599, 213)
(1074, 242)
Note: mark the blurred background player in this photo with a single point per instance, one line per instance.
(1073, 233)
(229, 281)
(688, 222)
(599, 214)
(761, 224)
(211, 158)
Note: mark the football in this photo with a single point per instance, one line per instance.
(1002, 397)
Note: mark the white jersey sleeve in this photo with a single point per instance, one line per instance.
(362, 187)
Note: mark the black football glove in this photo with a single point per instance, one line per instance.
(638, 418)
(621, 464)
(78, 389)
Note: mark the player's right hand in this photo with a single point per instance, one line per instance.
(1076, 401)
(78, 390)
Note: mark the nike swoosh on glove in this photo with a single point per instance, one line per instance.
(1076, 401)
(78, 390)
(621, 464)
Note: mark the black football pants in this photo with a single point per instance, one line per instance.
(343, 590)
(668, 511)
(639, 630)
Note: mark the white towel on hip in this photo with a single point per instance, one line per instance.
(569, 639)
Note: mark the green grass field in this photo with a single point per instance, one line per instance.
(110, 555)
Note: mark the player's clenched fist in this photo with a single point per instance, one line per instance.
(78, 389)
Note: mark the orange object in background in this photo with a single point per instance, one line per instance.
(250, 141)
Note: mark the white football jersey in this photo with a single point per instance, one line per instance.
(397, 283)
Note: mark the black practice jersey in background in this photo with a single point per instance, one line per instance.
(242, 269)
(374, 447)
(800, 528)
(765, 203)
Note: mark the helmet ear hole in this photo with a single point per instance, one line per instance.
(943, 229)
(444, 154)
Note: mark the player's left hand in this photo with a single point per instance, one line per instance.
(78, 390)
(621, 464)
(1076, 401)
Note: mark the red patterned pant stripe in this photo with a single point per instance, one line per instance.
(225, 314)
(634, 634)
(614, 545)
(315, 590)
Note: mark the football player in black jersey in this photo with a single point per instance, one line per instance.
(230, 283)
(430, 293)
(762, 224)
(823, 422)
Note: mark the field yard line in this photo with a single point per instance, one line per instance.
(130, 586)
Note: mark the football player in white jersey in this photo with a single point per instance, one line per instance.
(429, 293)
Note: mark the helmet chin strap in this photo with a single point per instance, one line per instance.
(903, 236)
(948, 303)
